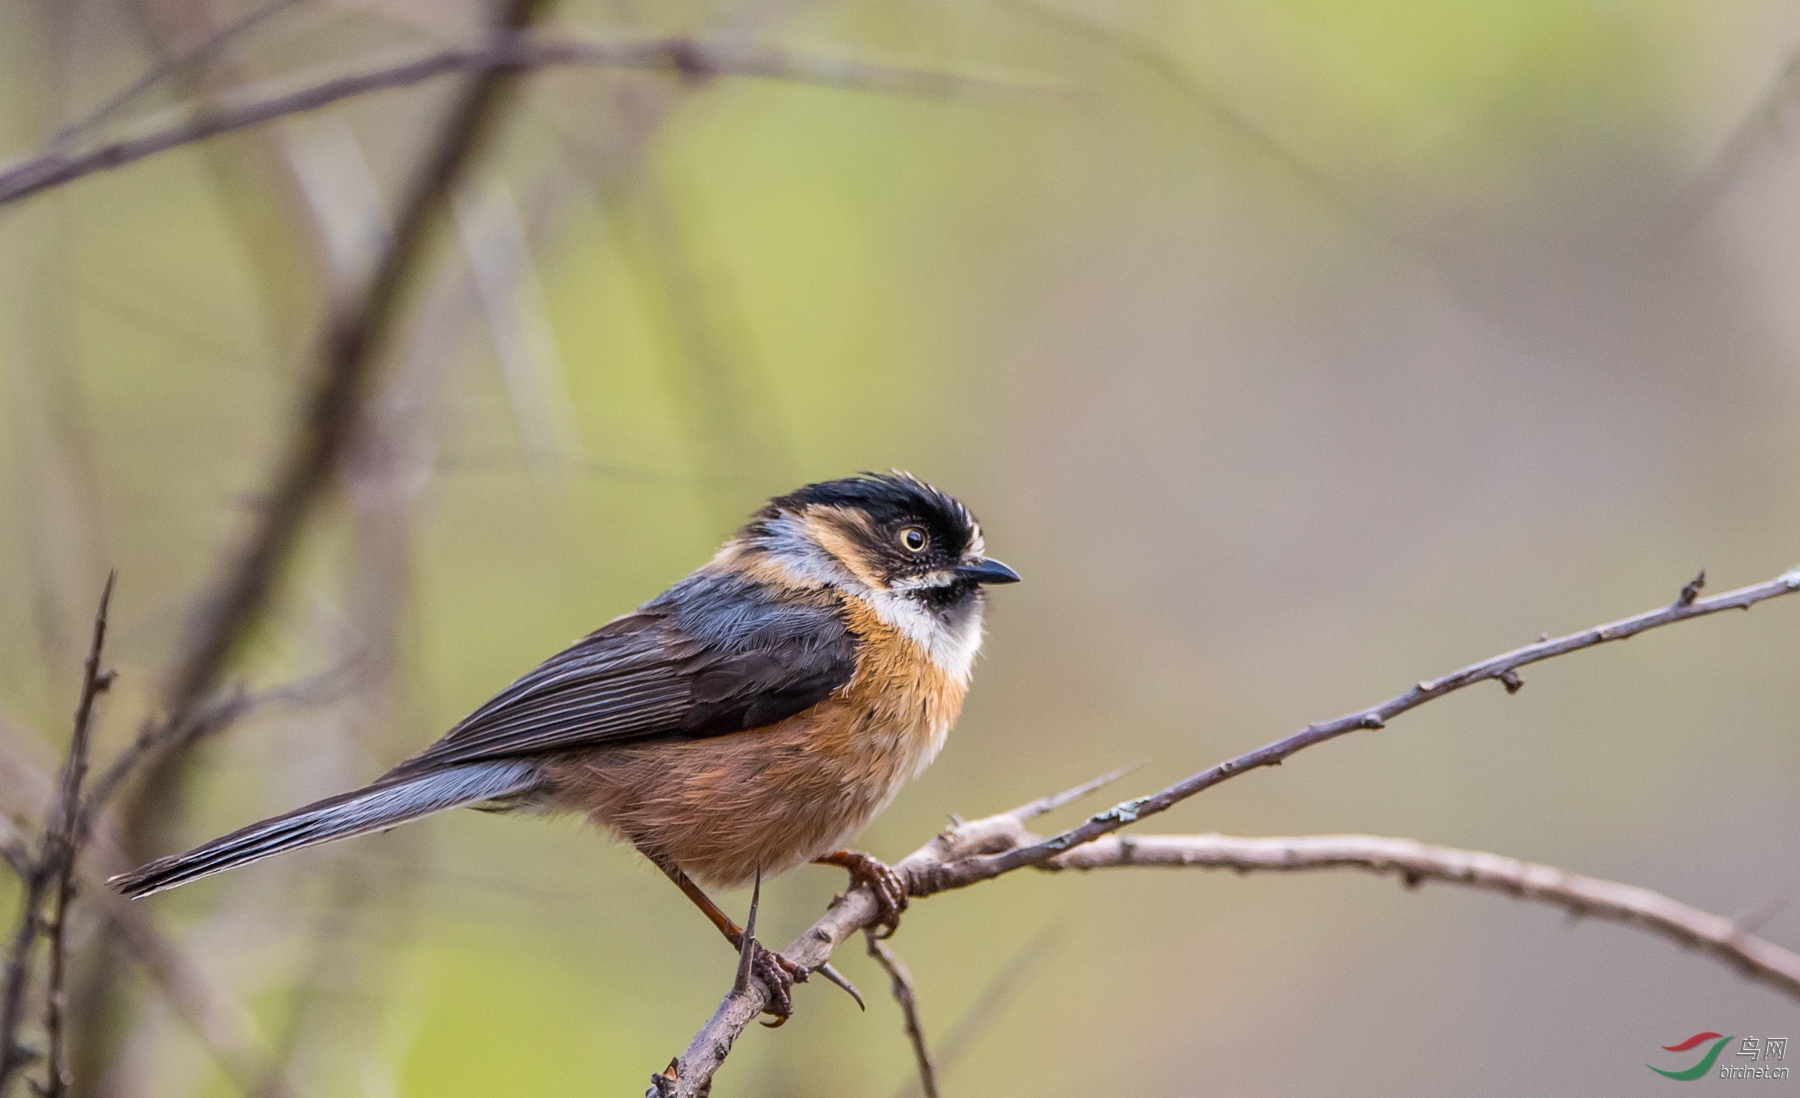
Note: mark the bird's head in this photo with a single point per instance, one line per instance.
(912, 552)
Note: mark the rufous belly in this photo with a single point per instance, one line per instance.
(772, 798)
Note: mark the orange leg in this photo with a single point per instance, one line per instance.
(777, 973)
(889, 889)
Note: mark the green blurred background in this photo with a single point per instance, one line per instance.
(1291, 351)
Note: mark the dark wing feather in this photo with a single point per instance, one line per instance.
(713, 655)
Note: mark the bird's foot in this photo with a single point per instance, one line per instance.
(881, 879)
(779, 975)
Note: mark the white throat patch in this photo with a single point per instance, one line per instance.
(950, 643)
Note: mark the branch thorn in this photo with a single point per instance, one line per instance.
(747, 947)
(842, 981)
(1057, 800)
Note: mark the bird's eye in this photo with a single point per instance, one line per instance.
(913, 539)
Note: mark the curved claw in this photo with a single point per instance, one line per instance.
(881, 879)
(779, 975)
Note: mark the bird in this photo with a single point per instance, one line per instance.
(750, 719)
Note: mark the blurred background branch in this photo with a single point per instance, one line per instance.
(686, 58)
(987, 1008)
(204, 58)
(351, 347)
(47, 882)
(907, 995)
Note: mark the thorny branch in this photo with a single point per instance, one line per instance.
(62, 846)
(224, 1027)
(982, 849)
(53, 874)
(1502, 668)
(688, 58)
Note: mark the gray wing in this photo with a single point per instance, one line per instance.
(711, 656)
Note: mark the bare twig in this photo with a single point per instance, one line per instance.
(688, 58)
(908, 997)
(217, 713)
(53, 873)
(982, 849)
(1496, 668)
(199, 54)
(224, 1028)
(1054, 801)
(212, 715)
(62, 847)
(1415, 862)
(832, 974)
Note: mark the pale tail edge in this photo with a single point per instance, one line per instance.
(386, 803)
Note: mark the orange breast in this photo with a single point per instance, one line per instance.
(779, 796)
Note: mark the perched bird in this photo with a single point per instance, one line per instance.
(749, 719)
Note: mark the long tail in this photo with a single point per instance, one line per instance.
(377, 807)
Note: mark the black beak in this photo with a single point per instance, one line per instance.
(987, 571)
